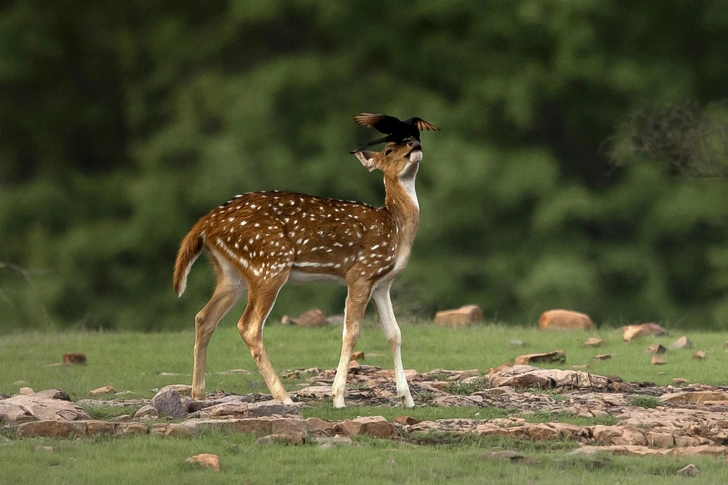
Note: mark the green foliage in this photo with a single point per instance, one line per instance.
(121, 125)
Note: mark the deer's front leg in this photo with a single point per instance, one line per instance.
(356, 304)
(394, 337)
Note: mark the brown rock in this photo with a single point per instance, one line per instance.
(493, 370)
(131, 429)
(51, 429)
(375, 426)
(74, 358)
(681, 343)
(565, 320)
(102, 390)
(26, 391)
(319, 427)
(655, 349)
(292, 439)
(657, 360)
(206, 460)
(602, 357)
(694, 396)
(182, 389)
(406, 420)
(330, 442)
(700, 355)
(680, 381)
(44, 407)
(146, 412)
(251, 410)
(310, 318)
(555, 356)
(642, 330)
(464, 315)
(593, 342)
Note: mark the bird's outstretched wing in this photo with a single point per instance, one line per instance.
(384, 123)
(423, 125)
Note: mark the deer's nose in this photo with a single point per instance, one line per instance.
(414, 145)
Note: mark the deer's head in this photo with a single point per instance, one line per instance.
(399, 160)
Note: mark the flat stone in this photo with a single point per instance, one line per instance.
(375, 426)
(43, 407)
(146, 412)
(631, 332)
(681, 343)
(251, 410)
(564, 320)
(102, 390)
(700, 355)
(465, 315)
(330, 442)
(206, 460)
(593, 342)
(547, 357)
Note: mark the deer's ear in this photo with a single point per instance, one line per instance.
(367, 158)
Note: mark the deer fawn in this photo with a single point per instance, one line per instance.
(260, 241)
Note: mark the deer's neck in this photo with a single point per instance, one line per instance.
(401, 202)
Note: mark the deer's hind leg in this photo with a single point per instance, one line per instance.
(261, 298)
(230, 288)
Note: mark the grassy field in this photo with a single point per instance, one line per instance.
(139, 363)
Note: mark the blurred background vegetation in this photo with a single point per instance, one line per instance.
(581, 162)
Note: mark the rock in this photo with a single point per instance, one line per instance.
(655, 349)
(457, 401)
(493, 370)
(51, 429)
(170, 403)
(642, 330)
(74, 358)
(146, 412)
(602, 357)
(49, 449)
(516, 343)
(406, 420)
(310, 318)
(689, 471)
(593, 342)
(523, 376)
(42, 407)
(375, 426)
(357, 356)
(681, 343)
(564, 320)
(26, 391)
(205, 459)
(314, 392)
(293, 439)
(182, 389)
(102, 390)
(694, 396)
(464, 315)
(555, 356)
(657, 360)
(251, 410)
(700, 355)
(508, 455)
(330, 442)
(319, 427)
(678, 381)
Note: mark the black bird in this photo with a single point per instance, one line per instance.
(396, 130)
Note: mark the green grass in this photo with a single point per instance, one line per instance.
(143, 459)
(140, 363)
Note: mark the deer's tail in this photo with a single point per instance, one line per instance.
(190, 249)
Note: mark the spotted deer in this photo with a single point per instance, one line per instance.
(258, 242)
